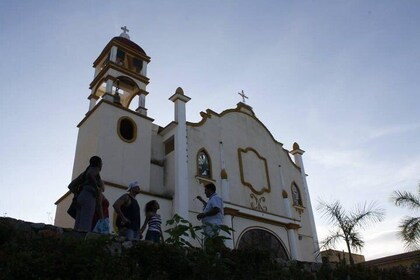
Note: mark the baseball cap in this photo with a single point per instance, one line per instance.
(133, 185)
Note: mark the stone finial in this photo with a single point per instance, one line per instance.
(179, 90)
(179, 95)
(296, 149)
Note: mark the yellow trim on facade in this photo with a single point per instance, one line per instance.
(249, 208)
(241, 171)
(115, 105)
(238, 213)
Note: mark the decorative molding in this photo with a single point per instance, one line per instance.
(204, 180)
(127, 49)
(238, 213)
(299, 209)
(209, 113)
(114, 105)
(257, 203)
(223, 174)
(272, 214)
(241, 171)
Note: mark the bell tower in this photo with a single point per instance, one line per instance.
(120, 133)
(121, 74)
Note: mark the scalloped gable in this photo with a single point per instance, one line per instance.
(241, 108)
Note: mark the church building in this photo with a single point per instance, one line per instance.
(262, 184)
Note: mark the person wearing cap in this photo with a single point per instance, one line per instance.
(128, 213)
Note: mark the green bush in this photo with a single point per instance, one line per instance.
(43, 255)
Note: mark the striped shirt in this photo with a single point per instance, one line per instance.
(154, 223)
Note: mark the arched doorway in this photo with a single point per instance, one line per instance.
(264, 240)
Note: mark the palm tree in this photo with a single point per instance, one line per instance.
(348, 224)
(409, 226)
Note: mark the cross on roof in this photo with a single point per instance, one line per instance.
(243, 96)
(125, 29)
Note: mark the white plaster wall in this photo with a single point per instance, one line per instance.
(240, 130)
(306, 255)
(169, 174)
(122, 162)
(62, 219)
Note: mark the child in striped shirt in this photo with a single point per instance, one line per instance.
(153, 222)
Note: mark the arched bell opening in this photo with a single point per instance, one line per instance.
(122, 88)
(127, 90)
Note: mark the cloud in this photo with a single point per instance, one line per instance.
(391, 130)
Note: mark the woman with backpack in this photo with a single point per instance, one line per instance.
(86, 200)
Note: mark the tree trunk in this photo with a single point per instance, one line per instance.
(349, 250)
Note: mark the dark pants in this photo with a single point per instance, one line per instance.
(153, 236)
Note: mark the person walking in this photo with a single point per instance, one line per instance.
(128, 213)
(86, 200)
(212, 215)
(154, 223)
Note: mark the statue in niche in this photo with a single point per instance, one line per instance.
(297, 199)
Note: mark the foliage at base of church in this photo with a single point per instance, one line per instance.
(46, 254)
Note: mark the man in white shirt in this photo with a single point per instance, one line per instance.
(212, 215)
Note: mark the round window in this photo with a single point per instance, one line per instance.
(127, 129)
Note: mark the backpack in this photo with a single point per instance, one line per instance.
(75, 187)
(77, 184)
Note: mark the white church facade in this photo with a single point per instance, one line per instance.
(263, 185)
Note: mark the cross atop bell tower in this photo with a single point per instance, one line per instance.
(124, 33)
(242, 94)
(123, 64)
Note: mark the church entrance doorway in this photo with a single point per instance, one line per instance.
(264, 240)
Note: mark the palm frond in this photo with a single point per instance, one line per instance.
(406, 199)
(331, 240)
(365, 215)
(410, 232)
(356, 241)
(332, 212)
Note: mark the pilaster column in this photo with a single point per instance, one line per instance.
(142, 104)
(297, 153)
(224, 175)
(113, 54)
(108, 90)
(291, 233)
(181, 195)
(227, 220)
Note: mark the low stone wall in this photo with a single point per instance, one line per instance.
(117, 243)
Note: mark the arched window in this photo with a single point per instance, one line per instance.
(203, 164)
(263, 240)
(297, 198)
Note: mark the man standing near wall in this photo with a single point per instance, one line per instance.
(212, 216)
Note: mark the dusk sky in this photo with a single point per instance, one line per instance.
(341, 78)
